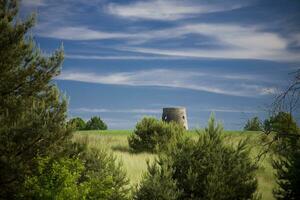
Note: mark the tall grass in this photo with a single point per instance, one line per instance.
(115, 141)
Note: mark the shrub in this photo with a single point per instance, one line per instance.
(157, 184)
(203, 169)
(253, 124)
(77, 123)
(93, 175)
(151, 135)
(55, 179)
(105, 176)
(95, 123)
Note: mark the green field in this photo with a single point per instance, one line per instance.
(135, 164)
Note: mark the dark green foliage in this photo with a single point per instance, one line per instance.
(151, 135)
(287, 149)
(38, 159)
(95, 123)
(253, 124)
(32, 112)
(288, 175)
(284, 132)
(77, 123)
(282, 124)
(203, 169)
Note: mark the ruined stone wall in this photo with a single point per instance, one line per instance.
(175, 114)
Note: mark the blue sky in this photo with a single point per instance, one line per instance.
(128, 59)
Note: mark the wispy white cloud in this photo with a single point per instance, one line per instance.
(230, 110)
(166, 10)
(240, 42)
(237, 35)
(221, 53)
(80, 33)
(106, 57)
(158, 110)
(198, 81)
(104, 110)
(237, 41)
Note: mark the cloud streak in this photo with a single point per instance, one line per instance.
(233, 41)
(100, 57)
(166, 10)
(238, 42)
(81, 33)
(157, 111)
(198, 81)
(104, 110)
(194, 53)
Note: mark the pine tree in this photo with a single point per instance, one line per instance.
(203, 169)
(288, 174)
(32, 111)
(287, 149)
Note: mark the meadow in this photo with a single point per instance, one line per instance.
(115, 141)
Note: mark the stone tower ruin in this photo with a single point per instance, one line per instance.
(175, 114)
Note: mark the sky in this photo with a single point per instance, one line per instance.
(128, 59)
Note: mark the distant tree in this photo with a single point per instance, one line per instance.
(95, 123)
(78, 123)
(32, 111)
(253, 124)
(151, 135)
(203, 169)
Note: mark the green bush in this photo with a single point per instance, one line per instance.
(105, 176)
(157, 184)
(77, 123)
(203, 169)
(55, 179)
(253, 124)
(151, 135)
(95, 123)
(93, 174)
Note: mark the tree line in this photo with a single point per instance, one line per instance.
(95, 123)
